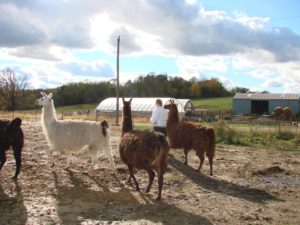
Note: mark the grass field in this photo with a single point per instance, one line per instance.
(207, 104)
(81, 107)
(213, 103)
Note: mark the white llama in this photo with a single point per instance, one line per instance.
(74, 136)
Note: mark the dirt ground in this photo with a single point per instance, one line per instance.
(249, 186)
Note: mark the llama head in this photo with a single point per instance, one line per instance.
(171, 105)
(126, 106)
(44, 100)
(13, 127)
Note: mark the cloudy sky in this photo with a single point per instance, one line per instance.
(253, 44)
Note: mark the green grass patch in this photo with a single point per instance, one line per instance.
(81, 107)
(257, 137)
(145, 127)
(213, 103)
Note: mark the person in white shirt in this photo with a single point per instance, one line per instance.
(159, 118)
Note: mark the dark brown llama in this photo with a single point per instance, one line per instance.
(143, 150)
(190, 136)
(11, 135)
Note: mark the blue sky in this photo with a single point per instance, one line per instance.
(253, 44)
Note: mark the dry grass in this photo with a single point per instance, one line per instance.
(36, 115)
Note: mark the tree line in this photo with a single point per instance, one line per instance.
(150, 85)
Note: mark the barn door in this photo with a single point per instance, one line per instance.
(259, 107)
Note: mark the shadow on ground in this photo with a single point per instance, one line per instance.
(12, 208)
(221, 186)
(78, 203)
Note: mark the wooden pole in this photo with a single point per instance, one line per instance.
(117, 88)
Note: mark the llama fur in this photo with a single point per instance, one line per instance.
(11, 135)
(143, 150)
(190, 136)
(70, 136)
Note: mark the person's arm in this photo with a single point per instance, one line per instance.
(154, 117)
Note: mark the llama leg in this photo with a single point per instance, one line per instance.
(51, 157)
(137, 188)
(201, 157)
(68, 158)
(151, 178)
(186, 151)
(91, 167)
(210, 159)
(108, 152)
(94, 158)
(17, 155)
(2, 158)
(160, 177)
(129, 180)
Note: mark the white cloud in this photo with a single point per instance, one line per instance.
(228, 84)
(37, 35)
(191, 66)
(34, 52)
(19, 28)
(91, 69)
(255, 23)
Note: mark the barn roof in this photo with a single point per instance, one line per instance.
(137, 104)
(266, 96)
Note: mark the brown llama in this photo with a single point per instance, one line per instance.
(190, 136)
(143, 150)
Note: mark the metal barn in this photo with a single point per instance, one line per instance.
(142, 106)
(264, 103)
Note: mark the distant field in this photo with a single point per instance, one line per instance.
(81, 107)
(207, 104)
(35, 113)
(213, 103)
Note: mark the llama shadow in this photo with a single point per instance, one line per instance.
(78, 203)
(12, 209)
(221, 186)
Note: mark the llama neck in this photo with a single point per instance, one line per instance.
(48, 113)
(127, 122)
(173, 118)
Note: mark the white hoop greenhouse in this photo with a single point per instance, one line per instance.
(142, 106)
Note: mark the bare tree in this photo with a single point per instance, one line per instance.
(11, 89)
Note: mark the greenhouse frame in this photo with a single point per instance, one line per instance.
(142, 106)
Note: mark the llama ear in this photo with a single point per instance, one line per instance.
(50, 95)
(123, 99)
(43, 94)
(130, 100)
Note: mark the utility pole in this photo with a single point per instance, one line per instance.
(117, 88)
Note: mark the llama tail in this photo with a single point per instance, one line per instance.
(104, 126)
(212, 143)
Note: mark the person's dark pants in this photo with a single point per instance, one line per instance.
(161, 130)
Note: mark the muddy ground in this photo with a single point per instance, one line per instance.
(249, 186)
